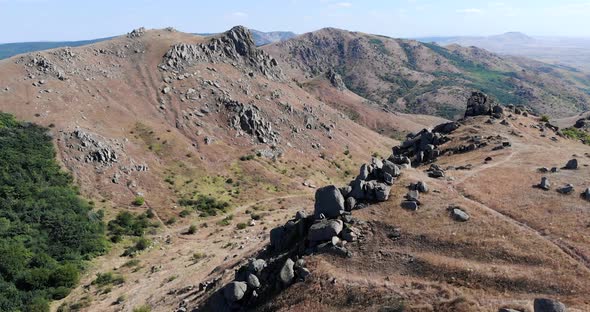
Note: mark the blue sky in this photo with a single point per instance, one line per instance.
(31, 20)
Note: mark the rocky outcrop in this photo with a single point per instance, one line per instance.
(235, 47)
(336, 80)
(248, 119)
(477, 105)
(136, 33)
(422, 147)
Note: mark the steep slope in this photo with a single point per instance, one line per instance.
(426, 78)
(175, 126)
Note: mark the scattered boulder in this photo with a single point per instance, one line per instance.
(413, 195)
(566, 189)
(419, 186)
(586, 194)
(324, 230)
(548, 305)
(329, 202)
(572, 164)
(287, 273)
(545, 185)
(235, 291)
(410, 205)
(459, 215)
(508, 310)
(435, 172)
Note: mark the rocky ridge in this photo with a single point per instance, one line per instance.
(235, 47)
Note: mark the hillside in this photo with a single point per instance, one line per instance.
(183, 134)
(415, 77)
(510, 244)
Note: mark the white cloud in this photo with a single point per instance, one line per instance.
(344, 4)
(239, 14)
(470, 11)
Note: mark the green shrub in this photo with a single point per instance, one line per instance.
(131, 263)
(198, 256)
(545, 118)
(225, 221)
(241, 226)
(247, 157)
(143, 308)
(126, 223)
(185, 213)
(139, 201)
(192, 229)
(577, 134)
(141, 244)
(207, 205)
(109, 278)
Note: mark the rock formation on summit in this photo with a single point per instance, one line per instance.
(235, 47)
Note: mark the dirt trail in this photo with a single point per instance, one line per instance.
(517, 149)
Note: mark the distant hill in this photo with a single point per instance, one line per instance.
(10, 49)
(414, 77)
(262, 38)
(573, 52)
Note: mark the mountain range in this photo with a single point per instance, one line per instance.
(565, 51)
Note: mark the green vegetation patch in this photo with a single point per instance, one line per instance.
(46, 231)
(206, 205)
(577, 134)
(492, 82)
(379, 45)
